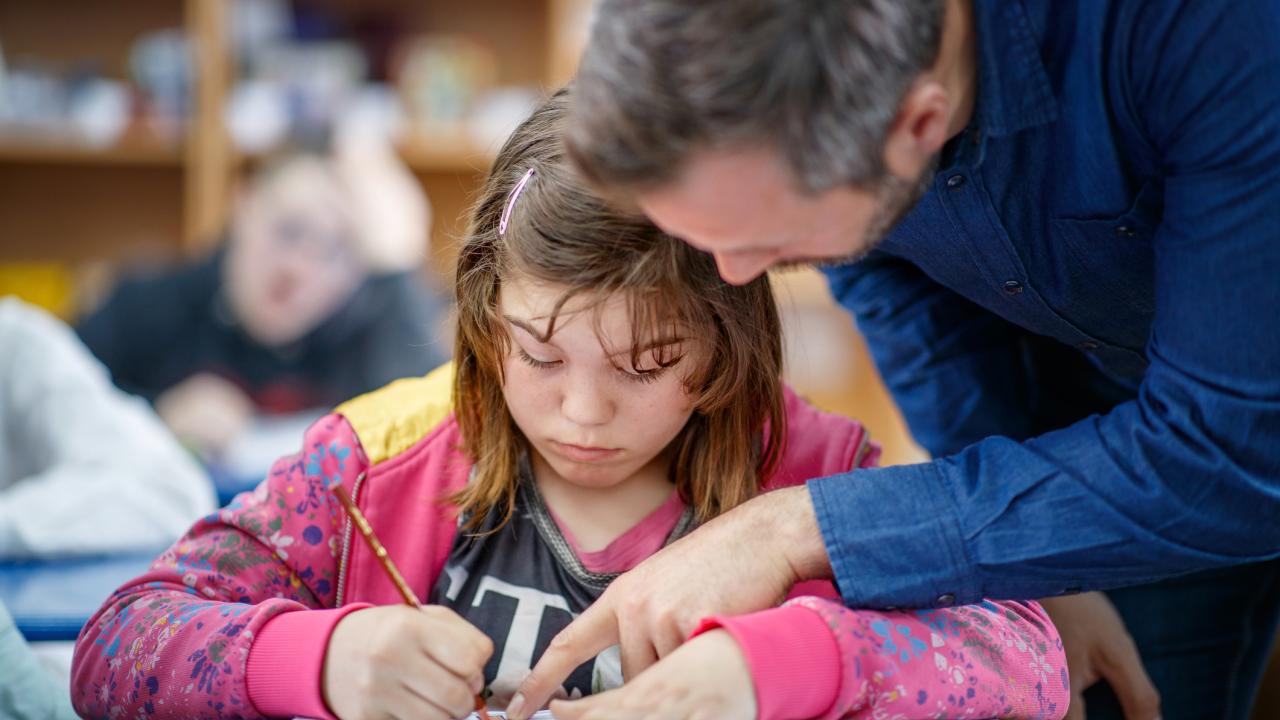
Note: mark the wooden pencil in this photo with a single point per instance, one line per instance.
(380, 551)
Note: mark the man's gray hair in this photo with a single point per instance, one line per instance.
(820, 80)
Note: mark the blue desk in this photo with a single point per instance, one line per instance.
(52, 599)
(228, 483)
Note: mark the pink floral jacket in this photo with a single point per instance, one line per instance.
(234, 619)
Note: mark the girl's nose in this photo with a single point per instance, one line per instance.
(585, 402)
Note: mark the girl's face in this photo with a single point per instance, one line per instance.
(593, 419)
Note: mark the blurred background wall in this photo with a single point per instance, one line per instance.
(126, 126)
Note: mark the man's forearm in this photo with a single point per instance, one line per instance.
(787, 517)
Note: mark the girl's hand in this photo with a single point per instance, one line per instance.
(650, 609)
(706, 677)
(404, 662)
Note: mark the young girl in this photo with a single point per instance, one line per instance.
(609, 392)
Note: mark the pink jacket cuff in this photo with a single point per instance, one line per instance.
(792, 656)
(285, 670)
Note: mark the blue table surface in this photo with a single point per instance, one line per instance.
(228, 483)
(52, 599)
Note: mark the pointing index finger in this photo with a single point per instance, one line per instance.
(584, 638)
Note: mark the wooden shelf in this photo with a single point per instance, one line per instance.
(445, 152)
(448, 154)
(182, 189)
(130, 151)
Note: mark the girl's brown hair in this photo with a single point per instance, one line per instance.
(561, 234)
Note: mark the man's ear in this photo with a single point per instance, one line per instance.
(919, 131)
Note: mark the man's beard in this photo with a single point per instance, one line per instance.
(896, 198)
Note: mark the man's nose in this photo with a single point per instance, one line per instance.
(742, 268)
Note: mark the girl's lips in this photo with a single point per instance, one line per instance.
(578, 453)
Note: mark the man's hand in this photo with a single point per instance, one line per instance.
(743, 561)
(706, 677)
(1099, 648)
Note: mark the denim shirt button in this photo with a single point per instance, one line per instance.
(945, 600)
(1012, 287)
(1087, 345)
(955, 181)
(1125, 231)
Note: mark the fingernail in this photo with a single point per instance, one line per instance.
(515, 707)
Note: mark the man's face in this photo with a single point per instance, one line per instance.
(744, 208)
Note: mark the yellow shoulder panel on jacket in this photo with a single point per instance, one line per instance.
(391, 419)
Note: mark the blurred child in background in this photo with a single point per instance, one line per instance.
(29, 692)
(316, 295)
(84, 469)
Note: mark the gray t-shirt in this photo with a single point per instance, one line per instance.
(521, 585)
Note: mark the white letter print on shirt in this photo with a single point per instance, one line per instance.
(517, 652)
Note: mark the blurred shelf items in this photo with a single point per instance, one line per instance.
(124, 125)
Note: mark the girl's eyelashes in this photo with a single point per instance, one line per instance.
(643, 376)
(534, 362)
(651, 374)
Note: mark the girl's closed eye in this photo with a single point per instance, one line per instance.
(644, 376)
(652, 366)
(535, 362)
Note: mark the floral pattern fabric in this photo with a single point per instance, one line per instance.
(175, 642)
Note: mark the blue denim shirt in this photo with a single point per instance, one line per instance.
(1081, 318)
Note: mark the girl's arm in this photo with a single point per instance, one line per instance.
(816, 658)
(195, 635)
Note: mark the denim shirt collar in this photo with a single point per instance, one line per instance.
(1013, 88)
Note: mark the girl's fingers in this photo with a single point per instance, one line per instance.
(453, 642)
(401, 703)
(587, 708)
(425, 708)
(449, 693)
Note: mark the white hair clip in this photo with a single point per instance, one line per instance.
(511, 202)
